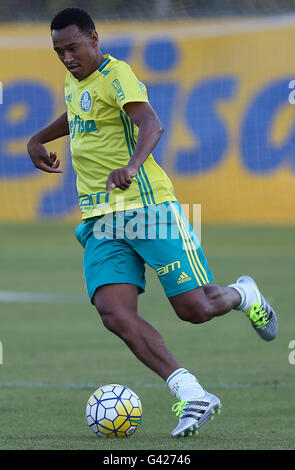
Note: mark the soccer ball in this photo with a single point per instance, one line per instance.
(113, 411)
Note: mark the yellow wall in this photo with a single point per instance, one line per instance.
(220, 88)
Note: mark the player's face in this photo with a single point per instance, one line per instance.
(77, 50)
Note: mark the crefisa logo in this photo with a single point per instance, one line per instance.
(86, 101)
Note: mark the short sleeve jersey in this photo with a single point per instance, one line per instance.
(103, 138)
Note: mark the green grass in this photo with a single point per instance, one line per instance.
(55, 354)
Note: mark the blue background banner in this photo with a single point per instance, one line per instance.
(222, 95)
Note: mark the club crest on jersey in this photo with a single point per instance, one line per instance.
(86, 101)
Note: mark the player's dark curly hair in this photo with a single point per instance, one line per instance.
(70, 16)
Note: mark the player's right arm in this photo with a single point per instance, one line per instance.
(40, 157)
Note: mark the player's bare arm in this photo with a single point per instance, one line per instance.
(150, 131)
(43, 160)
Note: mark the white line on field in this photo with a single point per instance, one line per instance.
(42, 298)
(140, 384)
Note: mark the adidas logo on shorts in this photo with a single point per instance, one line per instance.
(183, 278)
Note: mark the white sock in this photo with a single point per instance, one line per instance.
(247, 293)
(184, 385)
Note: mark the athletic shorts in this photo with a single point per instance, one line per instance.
(118, 245)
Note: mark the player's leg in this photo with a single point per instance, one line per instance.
(114, 275)
(185, 277)
(209, 301)
(117, 306)
(183, 271)
(203, 303)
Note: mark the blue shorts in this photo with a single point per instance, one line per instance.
(117, 246)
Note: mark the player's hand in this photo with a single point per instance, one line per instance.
(120, 178)
(42, 159)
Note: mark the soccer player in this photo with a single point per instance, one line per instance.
(113, 130)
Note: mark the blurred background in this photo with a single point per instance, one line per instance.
(35, 10)
(218, 73)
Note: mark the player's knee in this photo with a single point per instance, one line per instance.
(118, 322)
(114, 322)
(195, 313)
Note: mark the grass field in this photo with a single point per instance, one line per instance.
(56, 353)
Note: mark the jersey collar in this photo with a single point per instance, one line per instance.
(102, 66)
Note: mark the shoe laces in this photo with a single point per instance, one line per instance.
(258, 315)
(178, 407)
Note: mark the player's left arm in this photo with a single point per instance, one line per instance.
(150, 131)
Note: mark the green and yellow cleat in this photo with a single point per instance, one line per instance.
(261, 314)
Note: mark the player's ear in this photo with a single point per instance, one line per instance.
(94, 38)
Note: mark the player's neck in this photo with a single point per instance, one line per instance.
(99, 60)
(97, 63)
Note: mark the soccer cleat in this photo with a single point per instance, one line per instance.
(194, 413)
(261, 314)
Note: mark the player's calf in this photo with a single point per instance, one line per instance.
(202, 304)
(193, 314)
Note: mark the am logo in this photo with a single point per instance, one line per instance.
(169, 267)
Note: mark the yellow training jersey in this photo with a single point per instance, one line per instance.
(103, 138)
